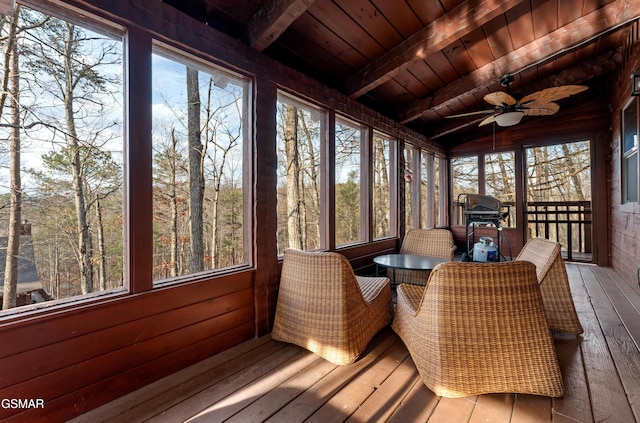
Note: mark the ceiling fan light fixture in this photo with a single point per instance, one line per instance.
(509, 118)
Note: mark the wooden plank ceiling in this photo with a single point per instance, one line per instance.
(421, 61)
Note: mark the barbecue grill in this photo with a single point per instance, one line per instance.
(486, 211)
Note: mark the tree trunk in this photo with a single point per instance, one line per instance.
(313, 170)
(196, 177)
(6, 64)
(13, 242)
(381, 208)
(574, 171)
(294, 227)
(102, 269)
(173, 167)
(84, 242)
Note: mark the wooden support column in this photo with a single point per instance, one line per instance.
(264, 224)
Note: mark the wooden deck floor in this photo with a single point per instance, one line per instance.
(265, 380)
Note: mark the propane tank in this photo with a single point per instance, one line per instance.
(485, 250)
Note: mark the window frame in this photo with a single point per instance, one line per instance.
(393, 191)
(629, 154)
(186, 57)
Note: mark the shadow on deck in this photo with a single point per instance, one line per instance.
(266, 380)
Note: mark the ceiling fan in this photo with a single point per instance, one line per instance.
(510, 108)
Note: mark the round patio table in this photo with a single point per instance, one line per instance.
(407, 262)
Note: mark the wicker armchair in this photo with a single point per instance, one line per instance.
(554, 284)
(479, 328)
(325, 308)
(424, 242)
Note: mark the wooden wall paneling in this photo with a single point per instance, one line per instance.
(70, 352)
(39, 331)
(115, 365)
(102, 391)
(71, 367)
(625, 218)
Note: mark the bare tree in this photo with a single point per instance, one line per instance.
(294, 216)
(13, 242)
(196, 172)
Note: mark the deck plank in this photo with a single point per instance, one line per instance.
(380, 405)
(575, 404)
(361, 387)
(265, 380)
(495, 408)
(314, 398)
(273, 401)
(453, 410)
(417, 406)
(145, 402)
(224, 388)
(621, 344)
(245, 396)
(603, 325)
(531, 409)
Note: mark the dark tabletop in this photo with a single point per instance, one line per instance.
(408, 261)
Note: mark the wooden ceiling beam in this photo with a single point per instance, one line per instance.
(561, 40)
(460, 21)
(271, 20)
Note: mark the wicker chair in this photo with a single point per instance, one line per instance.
(423, 242)
(554, 284)
(479, 328)
(325, 308)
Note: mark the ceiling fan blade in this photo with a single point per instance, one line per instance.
(553, 94)
(479, 112)
(499, 98)
(489, 120)
(536, 108)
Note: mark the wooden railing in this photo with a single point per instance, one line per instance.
(566, 222)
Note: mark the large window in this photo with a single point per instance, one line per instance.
(424, 189)
(464, 176)
(61, 181)
(440, 192)
(558, 196)
(559, 172)
(490, 174)
(300, 128)
(630, 152)
(348, 147)
(500, 181)
(411, 156)
(198, 144)
(382, 186)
